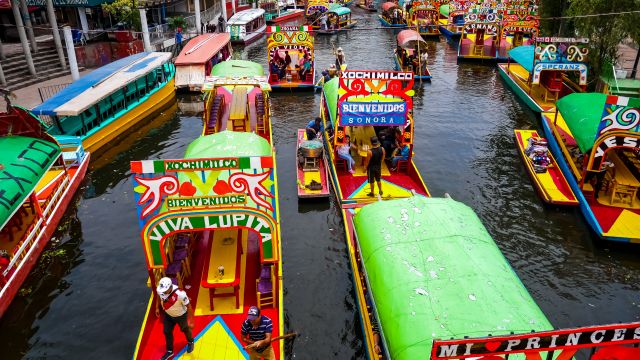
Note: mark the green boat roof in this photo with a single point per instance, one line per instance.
(340, 10)
(445, 10)
(27, 159)
(228, 144)
(237, 68)
(435, 272)
(330, 90)
(582, 113)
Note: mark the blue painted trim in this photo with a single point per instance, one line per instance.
(386, 24)
(519, 91)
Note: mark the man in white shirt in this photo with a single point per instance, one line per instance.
(177, 310)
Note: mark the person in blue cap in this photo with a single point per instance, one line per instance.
(256, 332)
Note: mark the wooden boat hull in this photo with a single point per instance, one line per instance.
(467, 44)
(551, 185)
(518, 85)
(426, 76)
(448, 33)
(251, 38)
(304, 177)
(385, 23)
(612, 224)
(292, 14)
(15, 281)
(336, 31)
(156, 101)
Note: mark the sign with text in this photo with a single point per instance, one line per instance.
(577, 67)
(373, 114)
(564, 343)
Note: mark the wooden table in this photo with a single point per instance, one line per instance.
(624, 181)
(225, 248)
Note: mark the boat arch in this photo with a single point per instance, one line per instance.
(609, 141)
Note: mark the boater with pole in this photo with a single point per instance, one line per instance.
(373, 164)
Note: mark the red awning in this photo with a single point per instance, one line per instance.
(408, 39)
(389, 5)
(202, 48)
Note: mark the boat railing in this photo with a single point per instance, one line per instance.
(72, 150)
(35, 231)
(615, 77)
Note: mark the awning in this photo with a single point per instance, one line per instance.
(340, 10)
(523, 55)
(409, 39)
(240, 68)
(202, 48)
(389, 5)
(582, 113)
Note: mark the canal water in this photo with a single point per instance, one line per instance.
(88, 297)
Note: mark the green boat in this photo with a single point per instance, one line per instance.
(428, 269)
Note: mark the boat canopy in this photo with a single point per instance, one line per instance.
(245, 16)
(100, 83)
(202, 48)
(330, 90)
(445, 10)
(389, 5)
(434, 272)
(226, 144)
(233, 68)
(409, 39)
(582, 112)
(340, 10)
(523, 55)
(314, 7)
(26, 160)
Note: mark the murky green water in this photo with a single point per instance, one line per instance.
(88, 297)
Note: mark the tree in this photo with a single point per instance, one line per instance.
(604, 32)
(177, 22)
(125, 11)
(553, 8)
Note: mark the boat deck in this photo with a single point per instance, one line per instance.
(216, 332)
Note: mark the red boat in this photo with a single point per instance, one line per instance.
(312, 172)
(40, 176)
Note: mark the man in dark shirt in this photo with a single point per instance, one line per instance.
(287, 59)
(256, 332)
(373, 164)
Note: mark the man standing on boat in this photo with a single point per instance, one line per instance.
(373, 164)
(177, 310)
(256, 332)
(221, 24)
(314, 128)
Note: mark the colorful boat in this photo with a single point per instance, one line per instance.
(520, 26)
(550, 184)
(587, 134)
(210, 221)
(277, 12)
(40, 177)
(480, 35)
(411, 54)
(367, 5)
(338, 19)
(423, 16)
(447, 276)
(355, 107)
(198, 57)
(110, 100)
(452, 18)
(393, 15)
(312, 176)
(544, 73)
(314, 10)
(247, 26)
(297, 43)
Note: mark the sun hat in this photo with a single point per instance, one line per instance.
(253, 313)
(163, 285)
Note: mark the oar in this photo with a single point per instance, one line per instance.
(277, 338)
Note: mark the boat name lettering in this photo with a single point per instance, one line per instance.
(203, 202)
(235, 220)
(209, 164)
(610, 142)
(535, 343)
(562, 40)
(373, 107)
(372, 113)
(541, 66)
(382, 75)
(491, 28)
(36, 156)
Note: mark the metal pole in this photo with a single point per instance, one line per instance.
(71, 53)
(635, 64)
(196, 8)
(2, 57)
(51, 14)
(224, 13)
(82, 14)
(233, 7)
(145, 30)
(3, 81)
(27, 23)
(23, 36)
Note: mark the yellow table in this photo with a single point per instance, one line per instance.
(624, 181)
(225, 250)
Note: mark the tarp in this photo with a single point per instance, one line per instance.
(435, 272)
(24, 162)
(228, 144)
(231, 68)
(582, 113)
(408, 39)
(340, 10)
(523, 55)
(245, 16)
(202, 48)
(388, 6)
(445, 10)
(100, 83)
(330, 90)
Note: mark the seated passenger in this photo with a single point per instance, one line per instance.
(403, 154)
(274, 69)
(344, 152)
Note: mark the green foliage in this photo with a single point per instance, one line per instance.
(125, 11)
(177, 22)
(553, 8)
(604, 32)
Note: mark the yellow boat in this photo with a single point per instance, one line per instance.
(110, 100)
